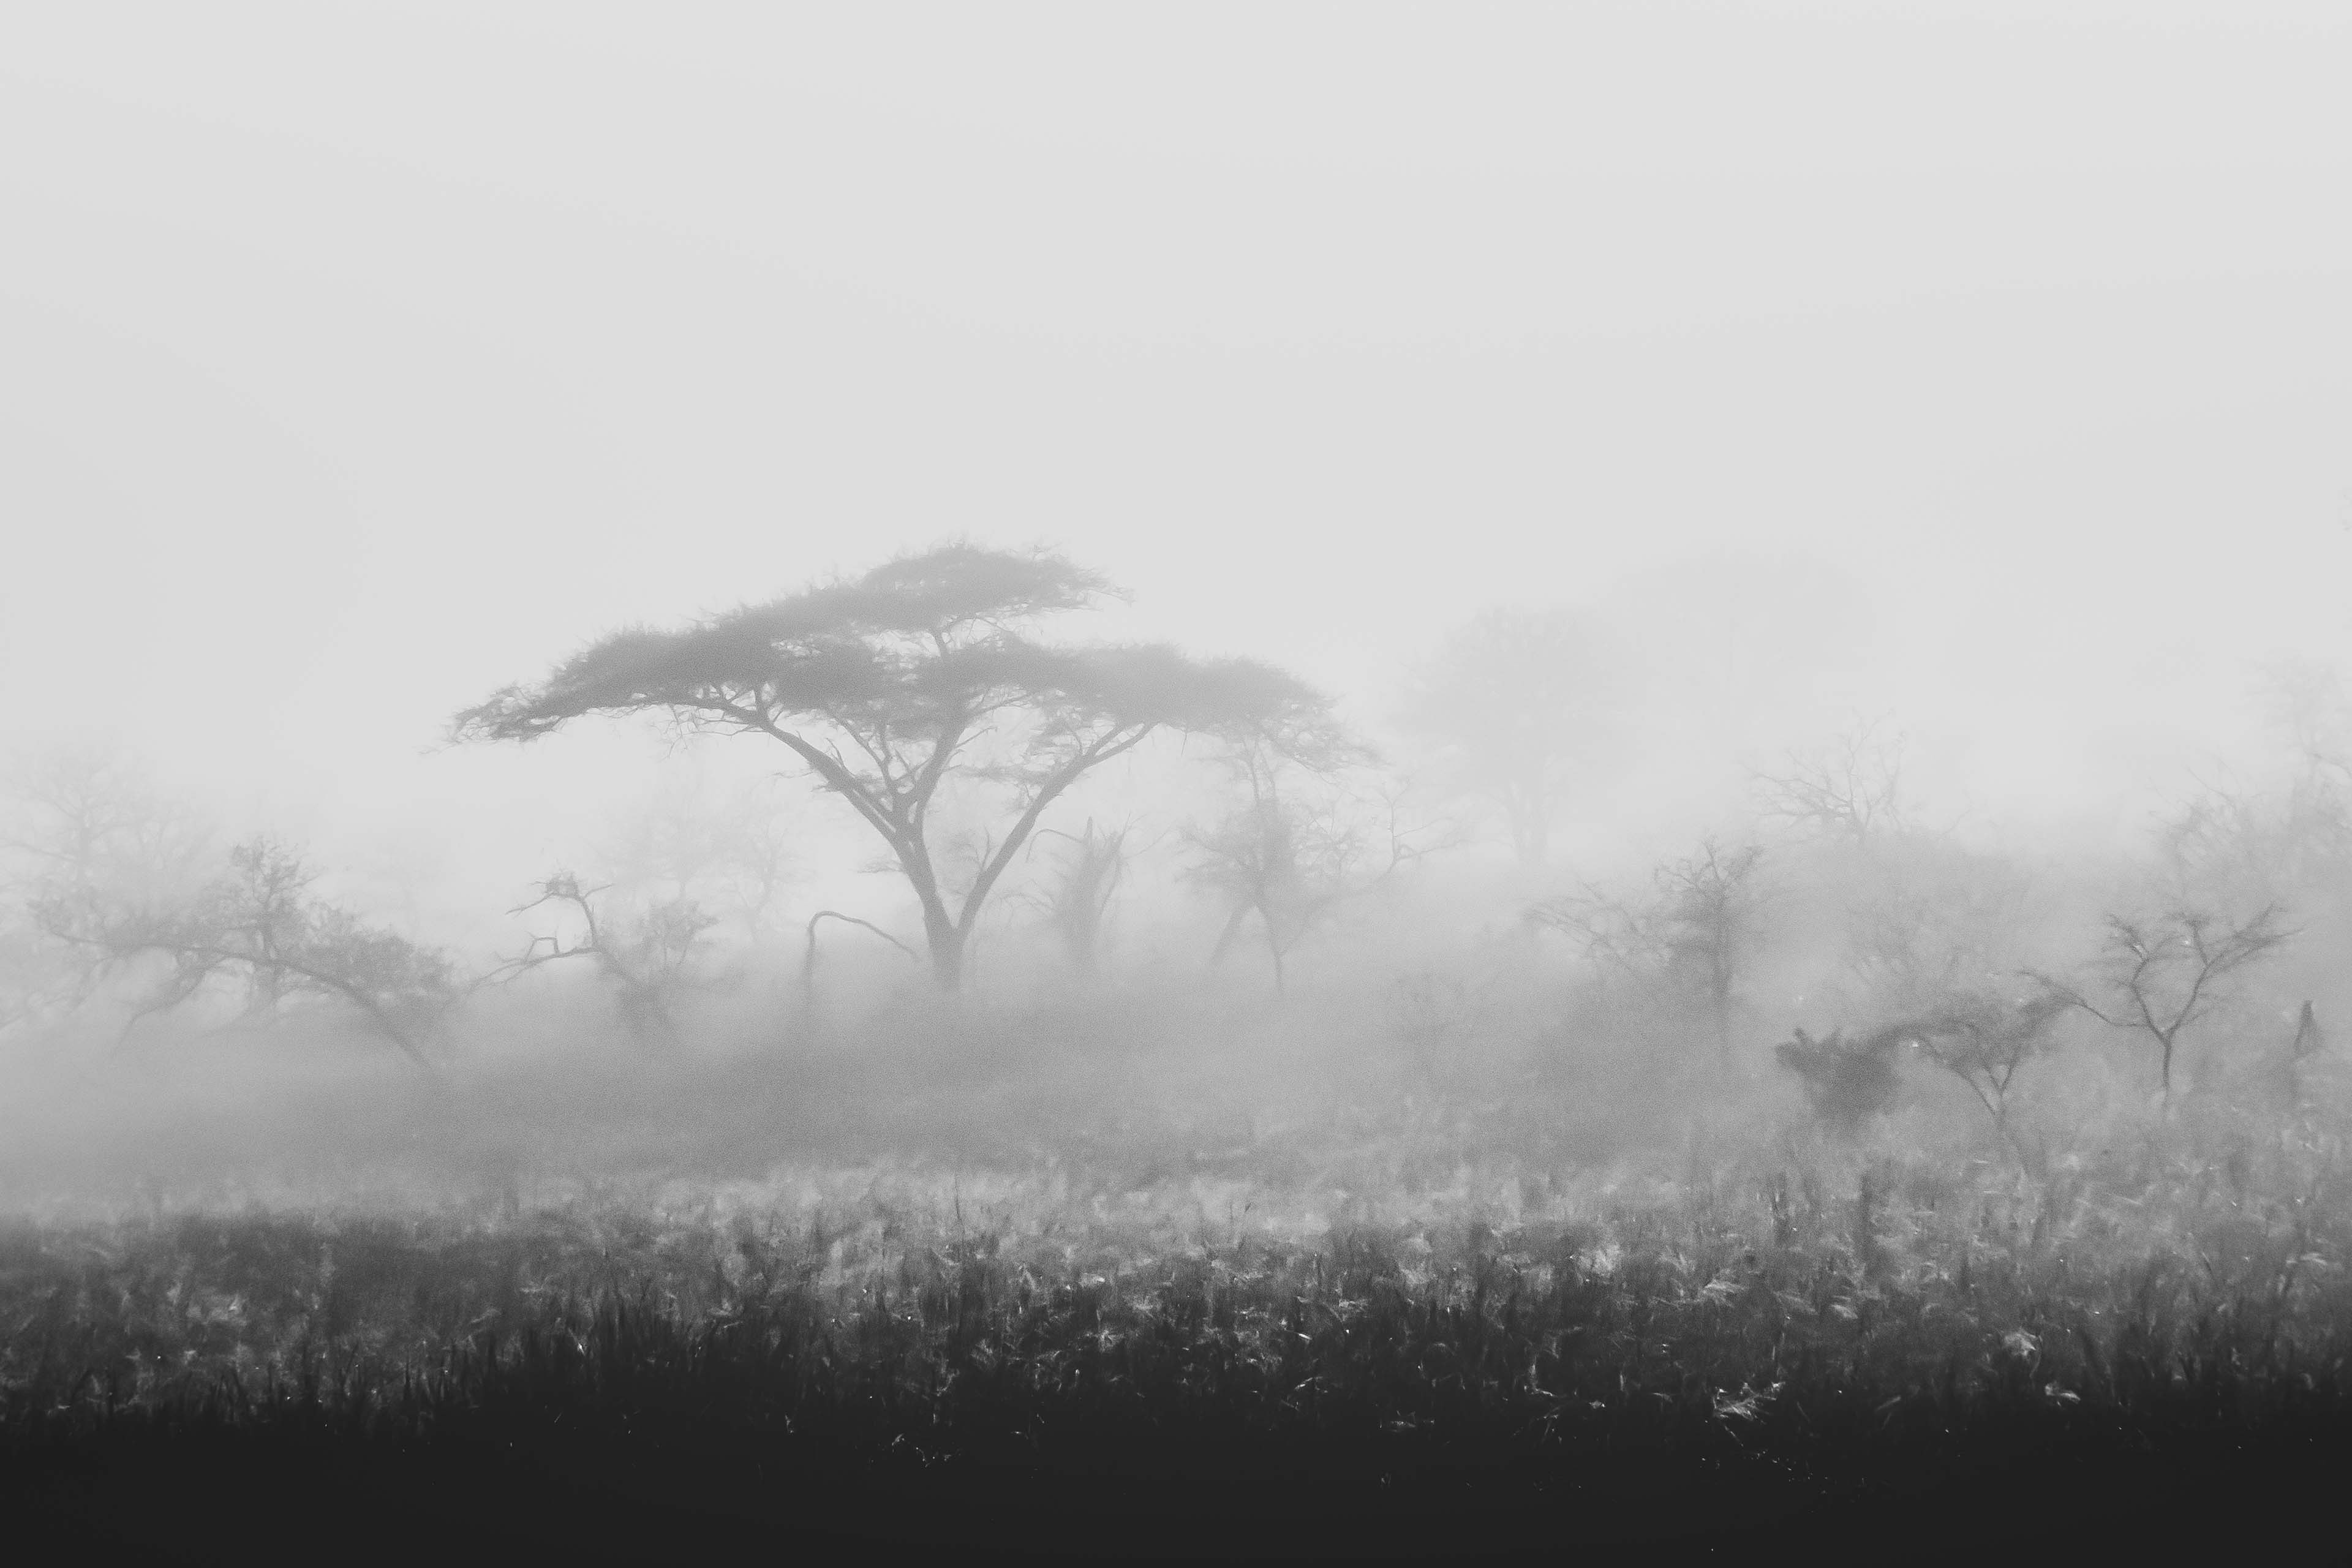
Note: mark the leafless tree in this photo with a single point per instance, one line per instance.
(1291, 859)
(1694, 932)
(1088, 880)
(1851, 787)
(87, 817)
(259, 924)
(649, 960)
(2159, 977)
(2241, 842)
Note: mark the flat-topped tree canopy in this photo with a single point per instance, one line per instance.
(908, 665)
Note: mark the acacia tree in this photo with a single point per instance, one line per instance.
(891, 685)
(1517, 700)
(1984, 1040)
(2158, 977)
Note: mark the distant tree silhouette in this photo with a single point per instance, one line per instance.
(1519, 700)
(2158, 977)
(258, 923)
(1694, 933)
(891, 685)
(1849, 788)
(1291, 858)
(1087, 880)
(648, 959)
(1847, 1082)
(1984, 1040)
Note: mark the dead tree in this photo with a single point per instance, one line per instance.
(1849, 788)
(648, 966)
(1694, 934)
(257, 924)
(1081, 897)
(1292, 863)
(2160, 977)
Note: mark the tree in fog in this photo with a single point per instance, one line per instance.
(918, 675)
(1519, 703)
(2237, 843)
(648, 959)
(82, 825)
(1085, 880)
(1294, 849)
(2159, 977)
(1931, 919)
(258, 926)
(727, 856)
(1694, 932)
(85, 819)
(1850, 787)
(1985, 1040)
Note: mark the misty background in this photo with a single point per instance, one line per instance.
(1969, 373)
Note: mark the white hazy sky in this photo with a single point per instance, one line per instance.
(356, 359)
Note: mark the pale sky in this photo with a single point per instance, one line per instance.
(357, 359)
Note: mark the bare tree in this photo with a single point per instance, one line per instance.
(1088, 880)
(2241, 843)
(1694, 932)
(1712, 900)
(649, 960)
(891, 686)
(87, 818)
(1850, 787)
(82, 825)
(1291, 860)
(259, 924)
(2159, 977)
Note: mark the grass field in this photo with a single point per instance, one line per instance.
(1346, 1336)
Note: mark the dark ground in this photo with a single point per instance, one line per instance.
(242, 1496)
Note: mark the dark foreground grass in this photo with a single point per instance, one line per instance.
(1855, 1358)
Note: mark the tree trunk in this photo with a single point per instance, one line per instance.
(945, 940)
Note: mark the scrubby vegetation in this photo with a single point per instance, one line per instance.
(1774, 1333)
(1277, 1179)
